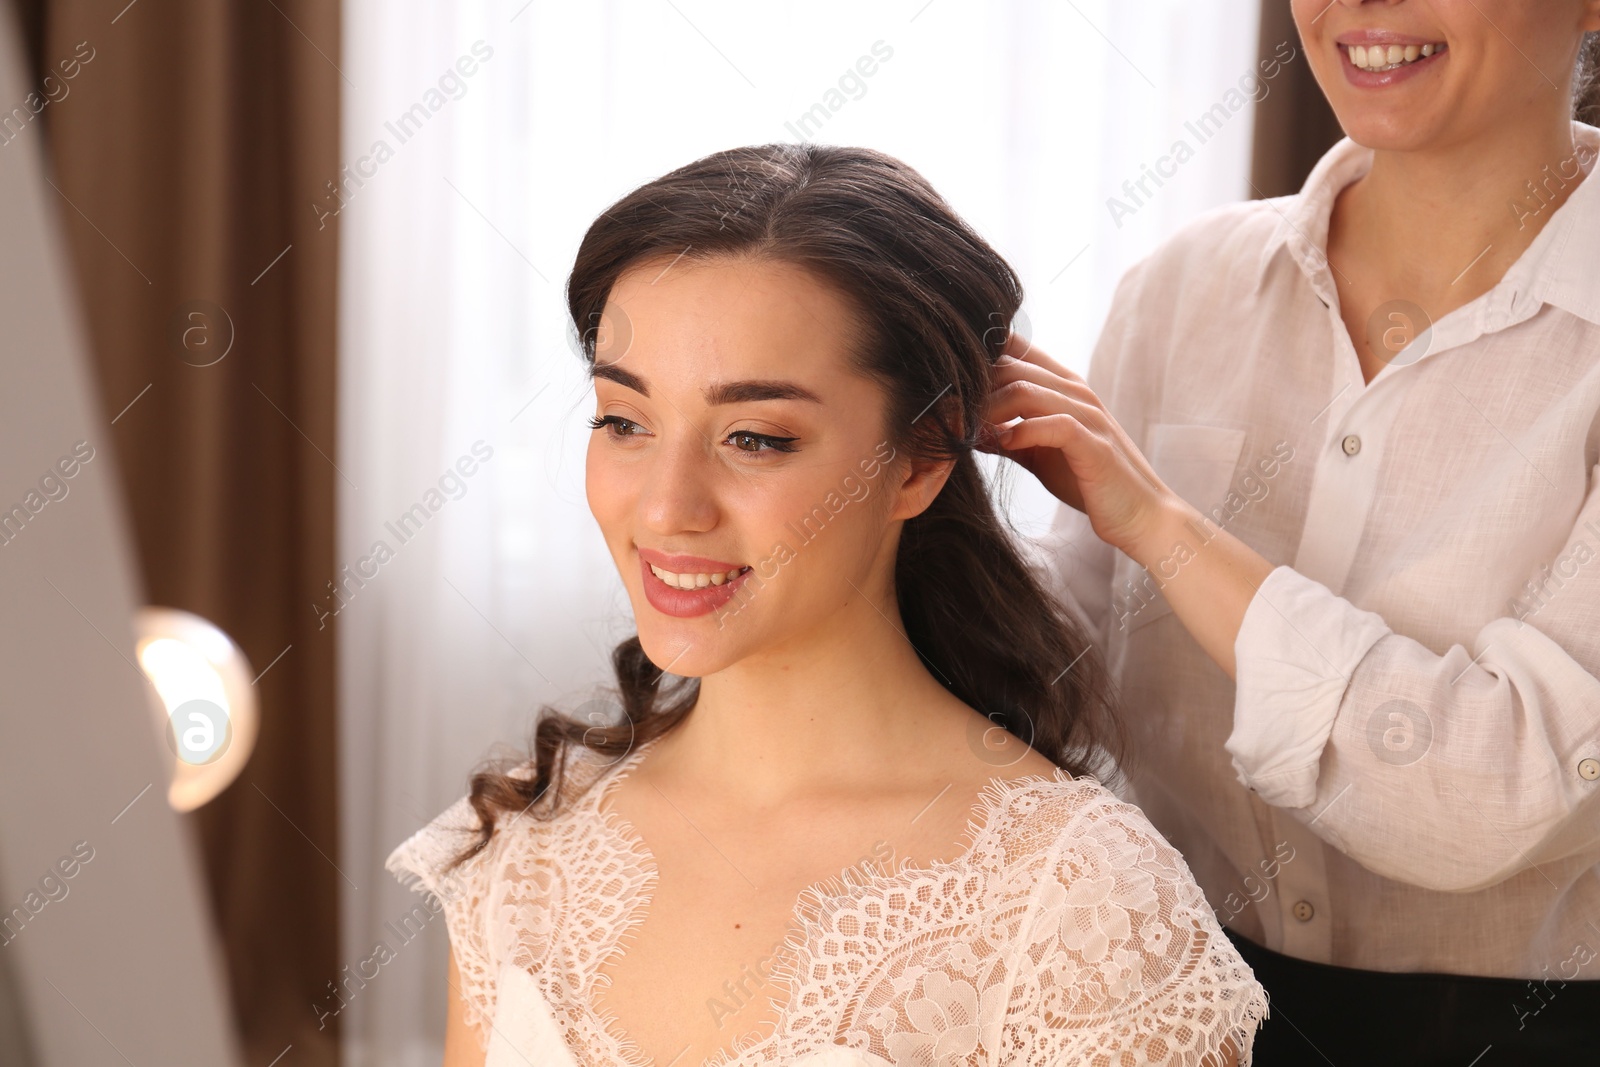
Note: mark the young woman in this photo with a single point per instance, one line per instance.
(861, 828)
(1357, 597)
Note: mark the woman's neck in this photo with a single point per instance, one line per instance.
(1442, 226)
(834, 710)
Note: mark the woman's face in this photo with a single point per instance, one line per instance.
(1491, 62)
(741, 478)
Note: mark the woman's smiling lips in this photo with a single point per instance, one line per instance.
(1373, 67)
(686, 586)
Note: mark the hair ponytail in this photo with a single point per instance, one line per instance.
(933, 304)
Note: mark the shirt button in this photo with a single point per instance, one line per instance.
(1303, 910)
(1589, 769)
(1351, 445)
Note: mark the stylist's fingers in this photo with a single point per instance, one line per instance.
(1024, 399)
(1015, 370)
(1046, 431)
(1084, 451)
(1020, 348)
(1106, 477)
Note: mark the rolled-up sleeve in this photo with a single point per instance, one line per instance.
(1297, 650)
(1450, 771)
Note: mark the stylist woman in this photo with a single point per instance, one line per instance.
(1371, 413)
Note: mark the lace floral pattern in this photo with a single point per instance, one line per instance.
(1067, 931)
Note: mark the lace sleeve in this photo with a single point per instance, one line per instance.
(461, 895)
(1123, 961)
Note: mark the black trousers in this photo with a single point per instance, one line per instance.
(1346, 1017)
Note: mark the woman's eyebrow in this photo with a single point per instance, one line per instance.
(742, 392)
(613, 373)
(717, 393)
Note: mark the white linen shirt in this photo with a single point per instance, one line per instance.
(1406, 776)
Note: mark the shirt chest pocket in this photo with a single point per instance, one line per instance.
(1198, 463)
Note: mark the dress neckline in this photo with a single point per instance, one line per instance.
(811, 902)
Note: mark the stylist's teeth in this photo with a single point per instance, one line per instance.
(1383, 58)
(718, 579)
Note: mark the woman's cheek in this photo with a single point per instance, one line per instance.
(767, 510)
(835, 535)
(591, 482)
(605, 488)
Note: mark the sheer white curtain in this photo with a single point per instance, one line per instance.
(481, 137)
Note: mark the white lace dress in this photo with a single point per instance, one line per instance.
(1067, 932)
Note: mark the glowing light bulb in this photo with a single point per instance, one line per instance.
(205, 703)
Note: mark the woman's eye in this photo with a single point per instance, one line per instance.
(745, 441)
(618, 426)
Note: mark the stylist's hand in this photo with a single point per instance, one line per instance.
(1071, 444)
(1061, 432)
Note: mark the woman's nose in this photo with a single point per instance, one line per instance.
(678, 493)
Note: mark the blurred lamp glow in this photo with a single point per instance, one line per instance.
(205, 709)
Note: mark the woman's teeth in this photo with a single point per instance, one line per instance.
(695, 581)
(1381, 57)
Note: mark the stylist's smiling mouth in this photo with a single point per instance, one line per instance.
(1376, 59)
(1410, 75)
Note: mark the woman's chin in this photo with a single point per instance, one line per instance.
(1390, 129)
(677, 650)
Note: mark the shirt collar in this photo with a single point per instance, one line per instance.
(1562, 266)
(1559, 268)
(1303, 218)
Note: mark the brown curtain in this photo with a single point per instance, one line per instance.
(187, 154)
(1294, 124)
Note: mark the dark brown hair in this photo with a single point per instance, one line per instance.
(1586, 85)
(933, 307)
